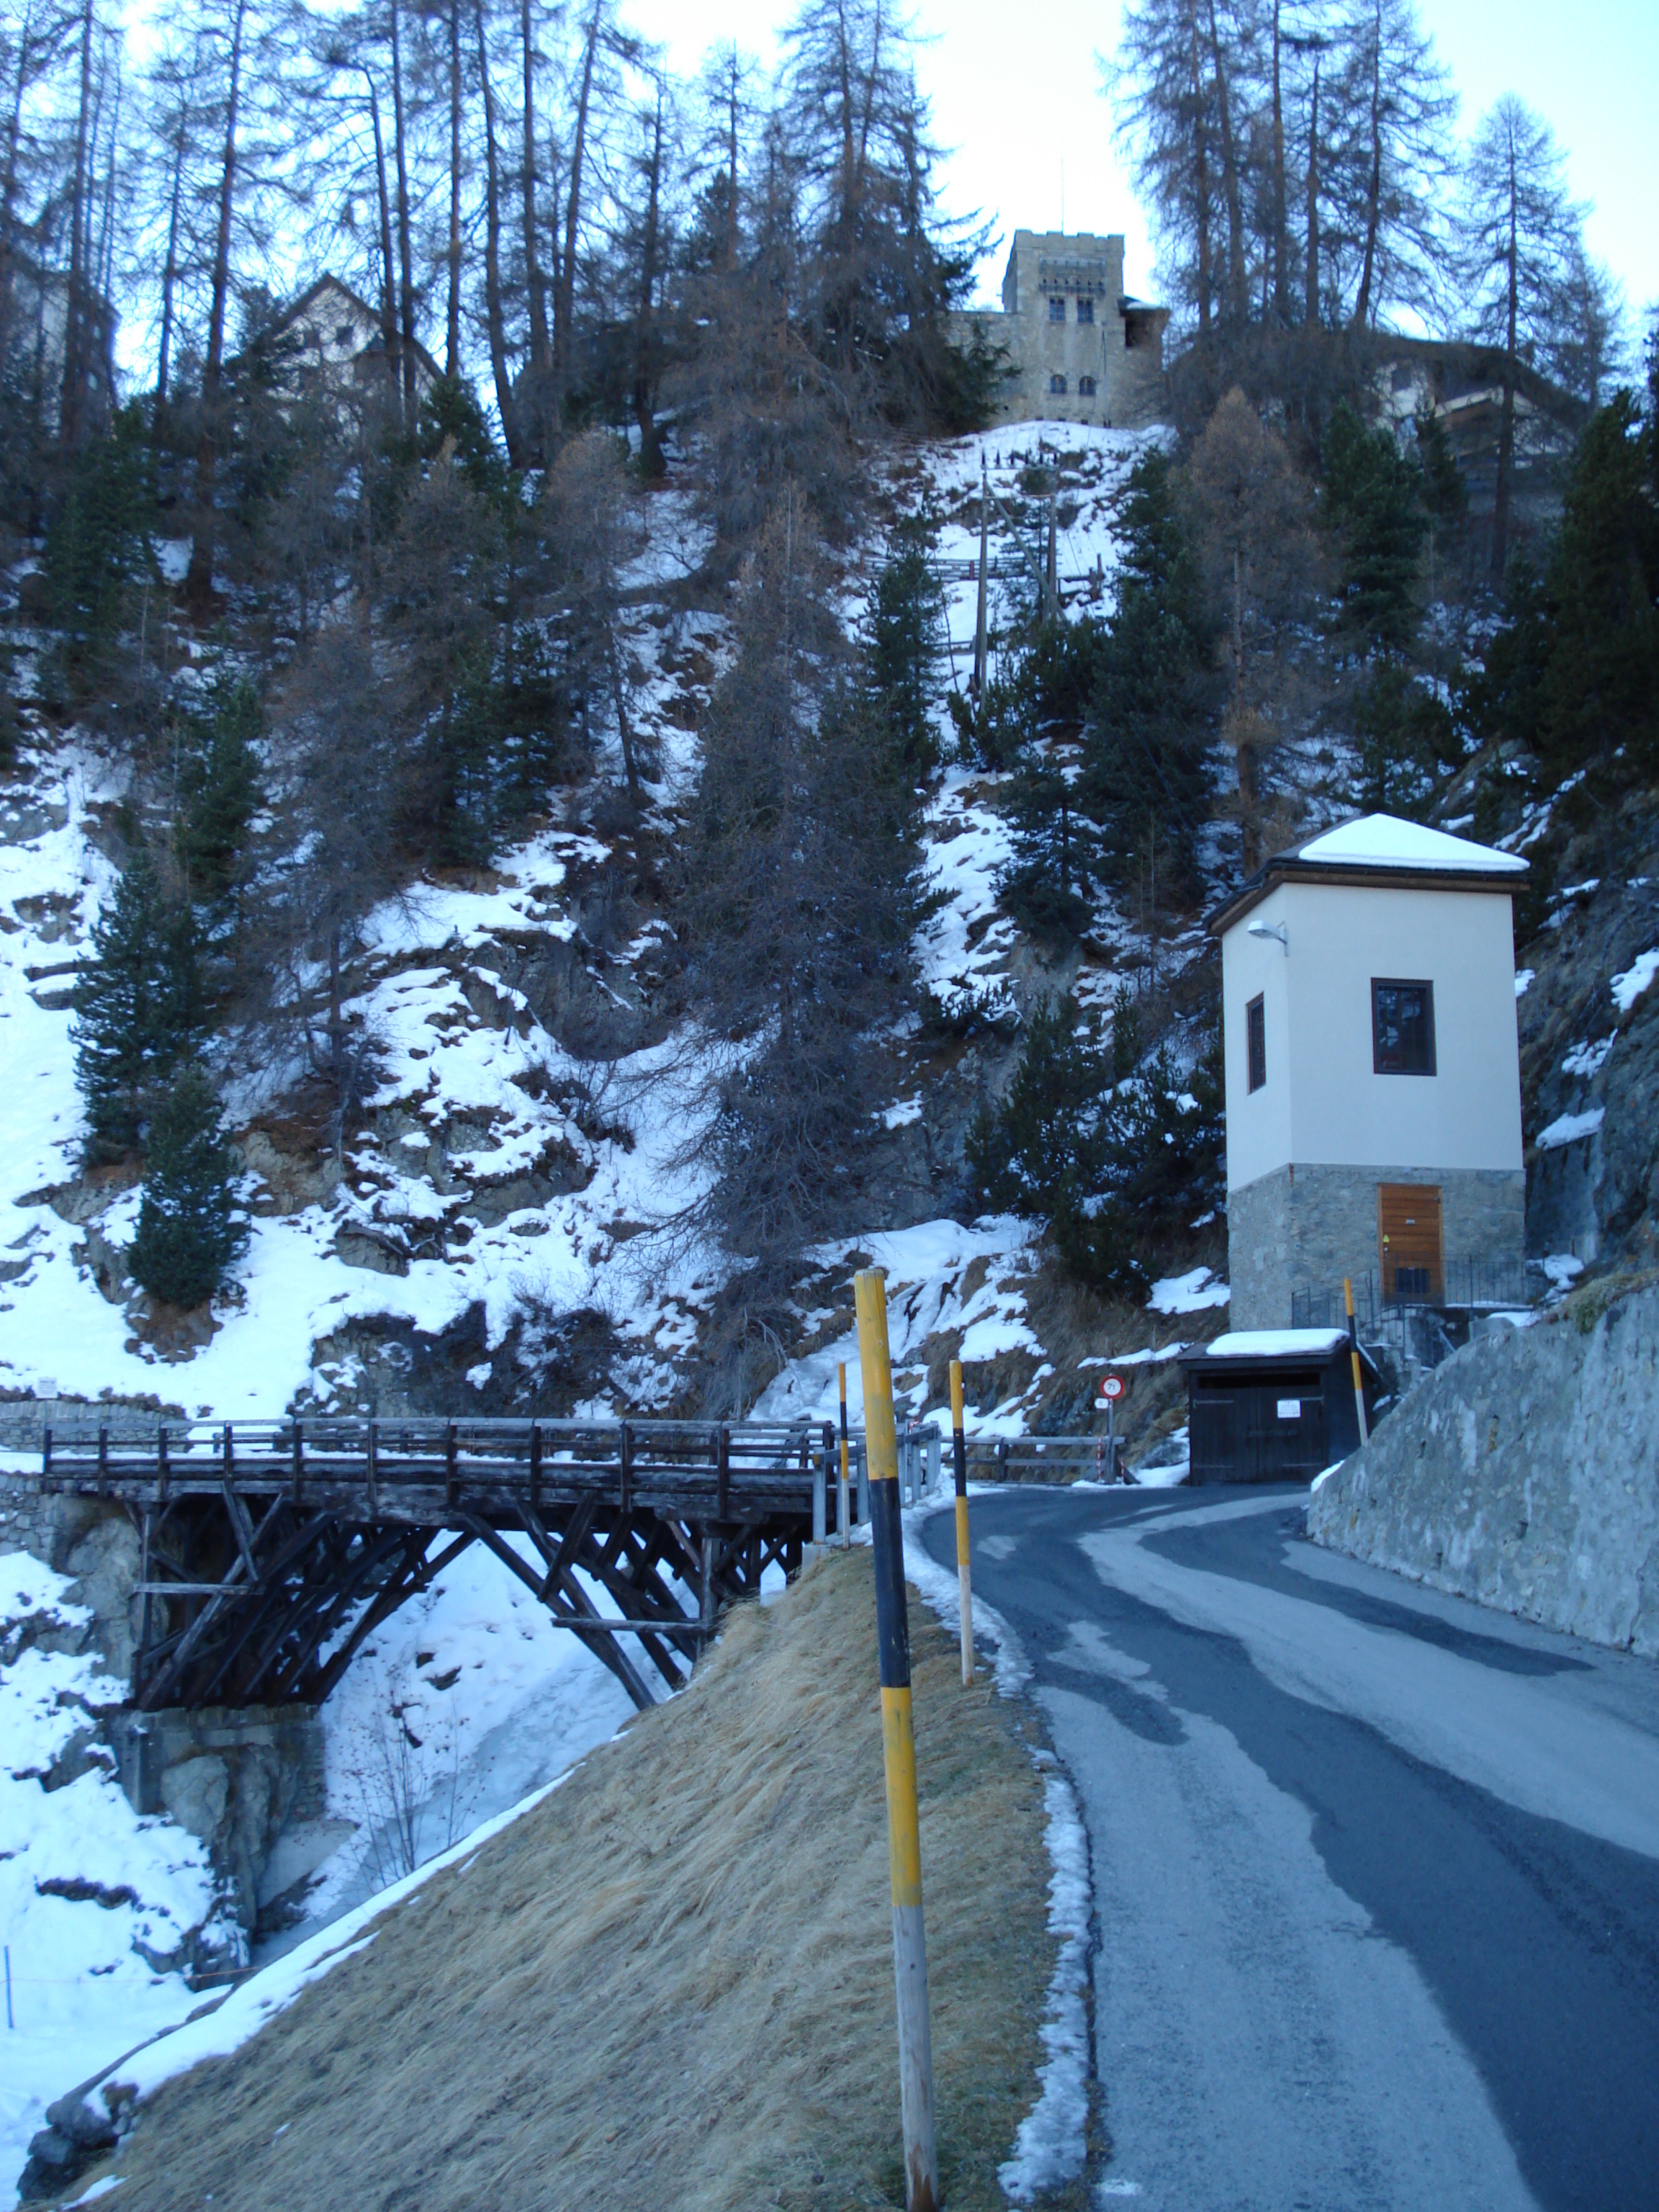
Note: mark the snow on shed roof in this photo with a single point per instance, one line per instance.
(1276, 1343)
(1384, 840)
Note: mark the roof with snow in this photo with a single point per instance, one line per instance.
(1378, 848)
(1242, 1352)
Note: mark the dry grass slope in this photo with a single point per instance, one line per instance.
(670, 1987)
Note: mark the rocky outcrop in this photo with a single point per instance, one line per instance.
(1524, 1472)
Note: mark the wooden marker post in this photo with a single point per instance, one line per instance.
(964, 1571)
(841, 1498)
(898, 1741)
(1353, 1355)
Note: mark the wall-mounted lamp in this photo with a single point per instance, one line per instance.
(1273, 929)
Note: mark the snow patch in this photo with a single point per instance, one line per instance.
(1568, 1129)
(1628, 987)
(1052, 2142)
(1188, 1293)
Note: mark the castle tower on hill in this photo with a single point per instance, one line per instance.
(1082, 349)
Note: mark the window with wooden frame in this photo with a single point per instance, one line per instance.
(1402, 1026)
(1085, 311)
(1056, 309)
(1255, 1038)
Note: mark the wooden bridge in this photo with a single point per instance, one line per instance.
(271, 1550)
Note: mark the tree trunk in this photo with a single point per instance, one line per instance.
(1374, 182)
(493, 312)
(75, 304)
(1200, 189)
(732, 167)
(453, 325)
(541, 355)
(170, 268)
(198, 583)
(566, 295)
(1500, 506)
(1237, 300)
(8, 191)
(1281, 212)
(644, 381)
(388, 269)
(1311, 317)
(405, 252)
(105, 280)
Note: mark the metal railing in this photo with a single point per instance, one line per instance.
(1468, 1285)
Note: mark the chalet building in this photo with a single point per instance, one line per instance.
(34, 317)
(1373, 1085)
(331, 339)
(1081, 350)
(1461, 386)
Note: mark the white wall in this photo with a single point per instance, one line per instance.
(1323, 1101)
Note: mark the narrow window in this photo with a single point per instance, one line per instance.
(1057, 384)
(1085, 386)
(1085, 311)
(1056, 311)
(1255, 1030)
(1402, 1027)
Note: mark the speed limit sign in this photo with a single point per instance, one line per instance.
(1111, 1388)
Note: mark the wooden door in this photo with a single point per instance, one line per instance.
(1408, 1240)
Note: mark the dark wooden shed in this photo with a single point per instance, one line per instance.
(1272, 1405)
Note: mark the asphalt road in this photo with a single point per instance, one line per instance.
(1376, 1871)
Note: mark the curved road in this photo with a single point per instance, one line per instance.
(1376, 1871)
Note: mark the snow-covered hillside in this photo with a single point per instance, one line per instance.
(498, 1175)
(500, 1184)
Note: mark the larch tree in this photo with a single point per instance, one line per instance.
(797, 907)
(1518, 231)
(1254, 537)
(1401, 110)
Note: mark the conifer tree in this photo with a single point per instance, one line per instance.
(1055, 861)
(904, 647)
(219, 785)
(1374, 496)
(1153, 715)
(1116, 1167)
(190, 1231)
(98, 547)
(138, 1005)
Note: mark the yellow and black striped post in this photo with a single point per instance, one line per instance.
(1353, 1354)
(844, 1523)
(964, 1573)
(898, 1740)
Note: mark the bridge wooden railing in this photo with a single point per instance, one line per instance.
(411, 1465)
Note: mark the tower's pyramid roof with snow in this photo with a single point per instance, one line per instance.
(1384, 849)
(1384, 841)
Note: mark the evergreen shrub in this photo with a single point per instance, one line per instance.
(190, 1231)
(137, 1007)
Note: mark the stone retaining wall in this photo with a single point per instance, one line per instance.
(1524, 1472)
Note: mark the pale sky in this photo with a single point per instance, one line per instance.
(1015, 93)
